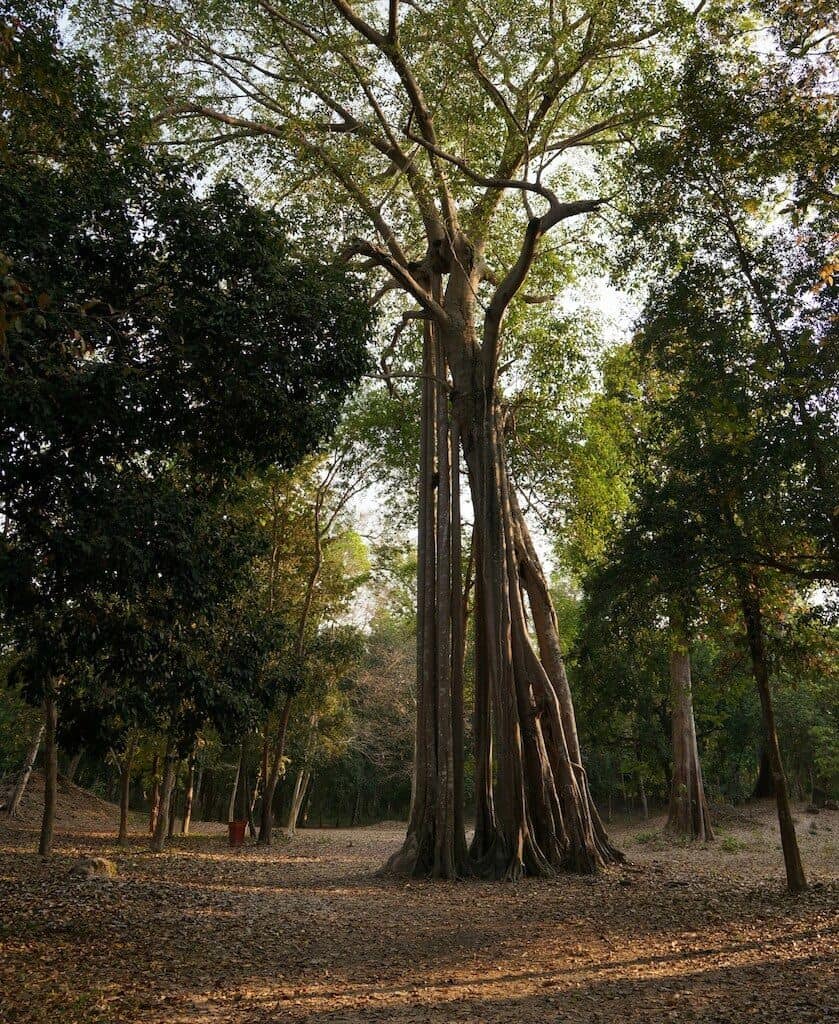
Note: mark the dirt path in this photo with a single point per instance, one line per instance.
(304, 932)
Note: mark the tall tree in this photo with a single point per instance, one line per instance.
(438, 123)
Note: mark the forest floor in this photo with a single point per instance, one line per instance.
(303, 931)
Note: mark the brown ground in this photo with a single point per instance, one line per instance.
(304, 932)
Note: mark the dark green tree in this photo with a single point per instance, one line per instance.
(154, 343)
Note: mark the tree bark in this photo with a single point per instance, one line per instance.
(458, 639)
(435, 843)
(753, 618)
(536, 816)
(124, 791)
(26, 773)
(304, 773)
(196, 799)
(161, 827)
(688, 812)
(544, 816)
(642, 796)
(173, 802)
(50, 775)
(257, 785)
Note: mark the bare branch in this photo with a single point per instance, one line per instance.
(401, 274)
(416, 97)
(480, 179)
(515, 277)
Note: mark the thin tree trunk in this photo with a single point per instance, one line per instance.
(73, 765)
(188, 797)
(249, 813)
(197, 805)
(688, 813)
(445, 859)
(307, 800)
(458, 640)
(303, 774)
(161, 827)
(260, 775)
(483, 848)
(154, 806)
(266, 824)
(173, 803)
(753, 618)
(231, 807)
(764, 785)
(26, 773)
(50, 775)
(301, 784)
(642, 796)
(124, 791)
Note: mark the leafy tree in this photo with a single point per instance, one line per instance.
(429, 129)
(155, 342)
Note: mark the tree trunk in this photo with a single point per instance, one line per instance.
(688, 813)
(50, 775)
(161, 827)
(642, 796)
(249, 811)
(154, 807)
(28, 765)
(257, 785)
(433, 845)
(231, 806)
(188, 797)
(301, 784)
(72, 766)
(545, 819)
(304, 773)
(173, 802)
(764, 785)
(753, 618)
(458, 641)
(196, 800)
(124, 791)
(537, 815)
(266, 823)
(306, 801)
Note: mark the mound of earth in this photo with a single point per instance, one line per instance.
(77, 809)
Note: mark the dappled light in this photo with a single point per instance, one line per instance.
(304, 933)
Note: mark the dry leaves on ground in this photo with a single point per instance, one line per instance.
(303, 932)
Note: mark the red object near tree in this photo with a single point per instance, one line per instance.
(236, 833)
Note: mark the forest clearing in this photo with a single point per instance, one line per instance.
(419, 511)
(304, 932)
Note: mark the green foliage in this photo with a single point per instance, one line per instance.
(157, 342)
(725, 440)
